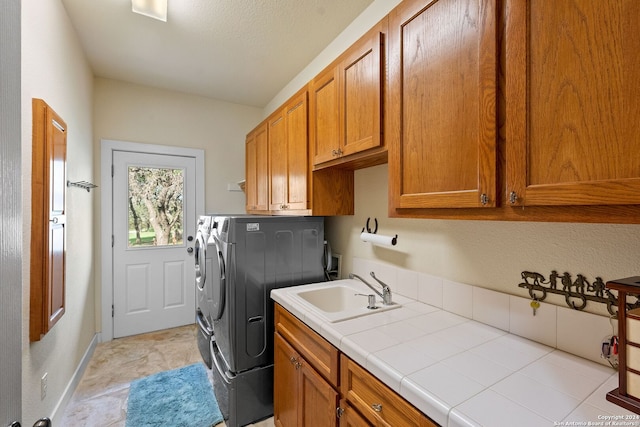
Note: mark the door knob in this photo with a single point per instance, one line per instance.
(43, 422)
(190, 250)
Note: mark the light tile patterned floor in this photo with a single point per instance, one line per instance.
(101, 397)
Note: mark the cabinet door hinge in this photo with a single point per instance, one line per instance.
(339, 412)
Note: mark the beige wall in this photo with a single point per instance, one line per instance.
(129, 112)
(482, 253)
(54, 69)
(141, 114)
(490, 254)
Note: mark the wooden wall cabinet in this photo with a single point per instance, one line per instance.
(346, 101)
(48, 214)
(572, 103)
(257, 170)
(279, 176)
(441, 112)
(288, 156)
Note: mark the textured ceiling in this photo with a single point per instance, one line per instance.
(242, 51)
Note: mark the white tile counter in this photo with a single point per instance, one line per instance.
(461, 372)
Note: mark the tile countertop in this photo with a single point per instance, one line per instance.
(464, 373)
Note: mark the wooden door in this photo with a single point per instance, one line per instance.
(278, 172)
(48, 219)
(256, 167)
(285, 383)
(262, 168)
(441, 131)
(349, 417)
(324, 116)
(319, 401)
(297, 152)
(250, 185)
(572, 102)
(361, 73)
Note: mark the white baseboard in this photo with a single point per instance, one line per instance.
(58, 412)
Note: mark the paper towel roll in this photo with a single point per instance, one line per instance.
(378, 239)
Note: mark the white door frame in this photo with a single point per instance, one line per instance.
(107, 147)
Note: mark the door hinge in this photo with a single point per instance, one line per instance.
(339, 412)
(112, 311)
(112, 240)
(111, 171)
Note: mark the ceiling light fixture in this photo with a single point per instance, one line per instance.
(156, 9)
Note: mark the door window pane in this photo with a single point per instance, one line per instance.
(156, 209)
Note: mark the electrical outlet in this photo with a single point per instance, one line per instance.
(43, 386)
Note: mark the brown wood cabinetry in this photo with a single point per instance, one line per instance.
(257, 170)
(572, 103)
(346, 105)
(305, 375)
(310, 375)
(288, 145)
(48, 214)
(279, 176)
(349, 417)
(377, 403)
(442, 104)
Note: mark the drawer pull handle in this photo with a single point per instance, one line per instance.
(377, 407)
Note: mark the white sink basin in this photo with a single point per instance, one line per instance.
(336, 302)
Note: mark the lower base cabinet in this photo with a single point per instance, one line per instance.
(349, 417)
(301, 396)
(315, 385)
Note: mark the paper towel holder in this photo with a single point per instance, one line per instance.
(394, 240)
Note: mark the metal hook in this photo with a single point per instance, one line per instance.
(369, 229)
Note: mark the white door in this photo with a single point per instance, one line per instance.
(154, 215)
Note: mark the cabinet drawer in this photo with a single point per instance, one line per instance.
(633, 325)
(317, 351)
(633, 384)
(633, 357)
(375, 401)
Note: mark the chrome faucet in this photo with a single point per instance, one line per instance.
(386, 292)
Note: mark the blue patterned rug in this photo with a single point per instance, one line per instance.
(181, 397)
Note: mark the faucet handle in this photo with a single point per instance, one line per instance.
(386, 290)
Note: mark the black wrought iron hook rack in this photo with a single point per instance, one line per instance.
(579, 290)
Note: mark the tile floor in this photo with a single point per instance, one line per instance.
(100, 399)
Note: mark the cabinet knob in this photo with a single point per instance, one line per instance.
(377, 407)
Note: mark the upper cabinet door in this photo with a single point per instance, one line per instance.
(346, 103)
(572, 102)
(360, 96)
(441, 128)
(278, 172)
(297, 152)
(324, 117)
(257, 170)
